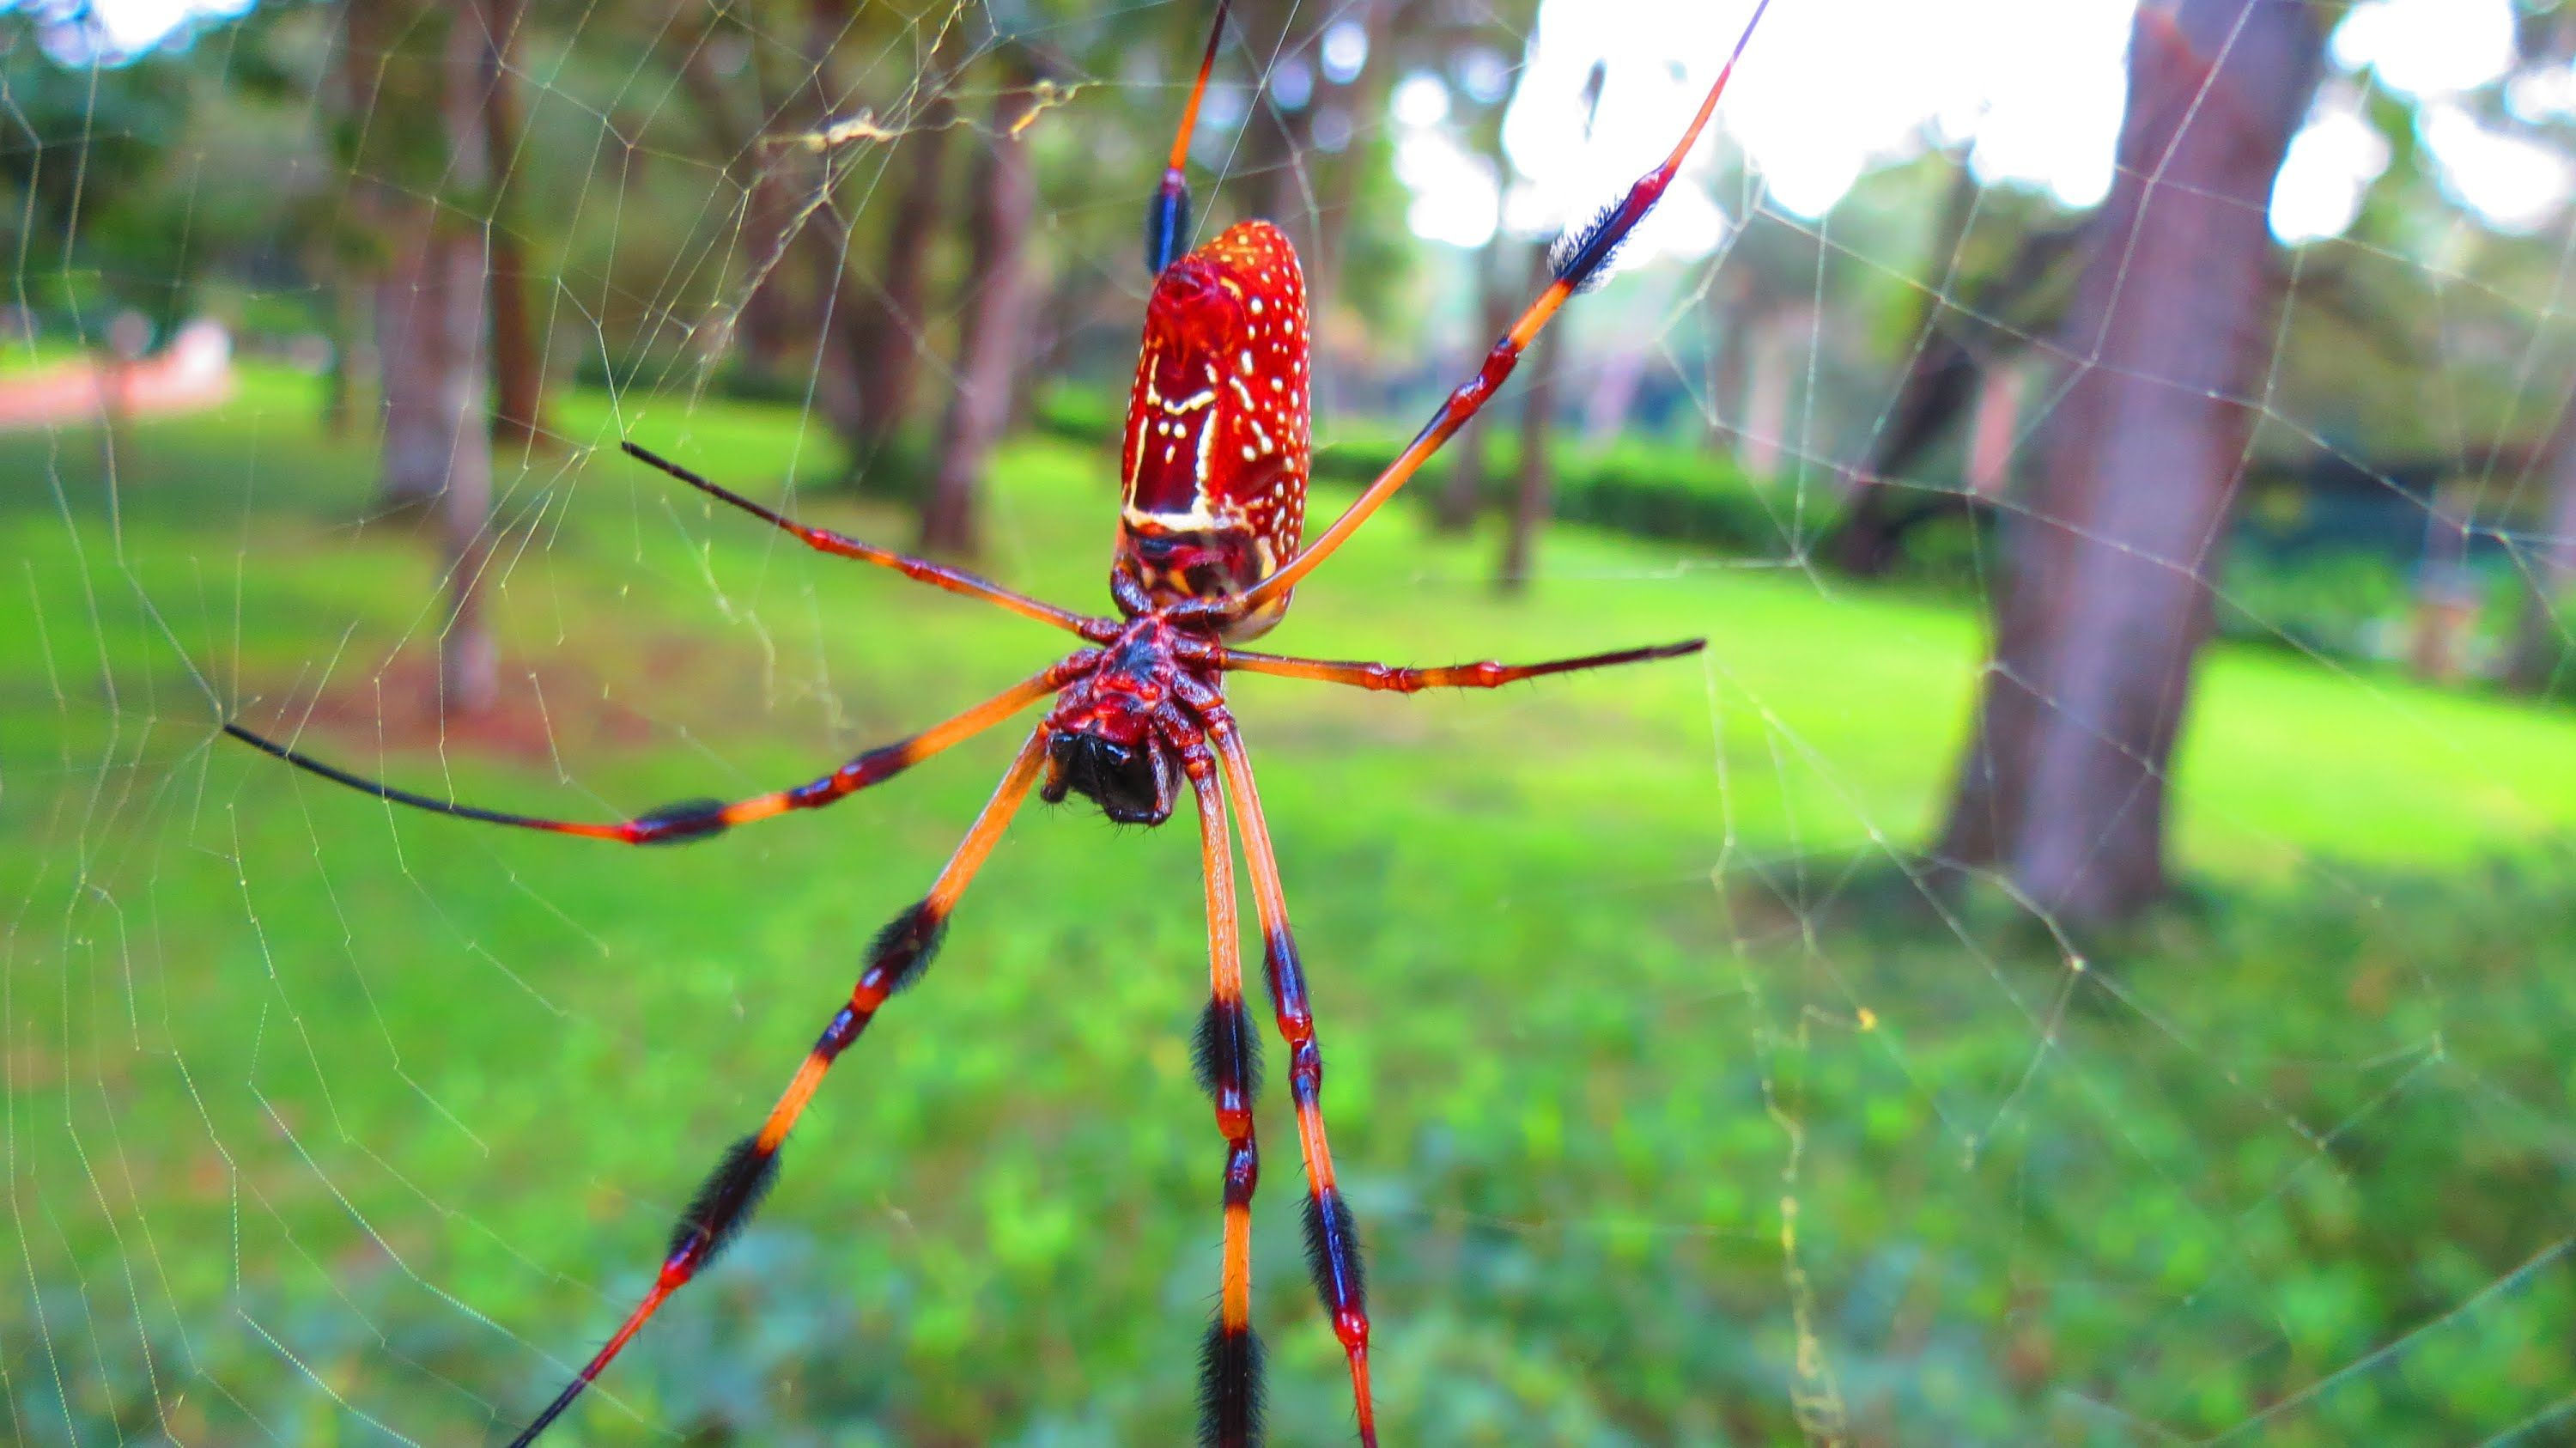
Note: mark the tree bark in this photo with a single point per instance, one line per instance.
(1961, 346)
(1277, 136)
(872, 342)
(1939, 376)
(2544, 645)
(768, 322)
(2106, 603)
(995, 325)
(1356, 107)
(1535, 495)
(766, 330)
(518, 366)
(1772, 342)
(887, 342)
(431, 311)
(1462, 491)
(468, 663)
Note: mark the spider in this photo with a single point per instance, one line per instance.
(1214, 470)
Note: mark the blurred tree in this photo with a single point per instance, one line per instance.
(768, 85)
(414, 152)
(2106, 600)
(889, 329)
(518, 366)
(85, 232)
(999, 307)
(1498, 298)
(1973, 316)
(879, 293)
(1462, 490)
(1279, 38)
(1533, 494)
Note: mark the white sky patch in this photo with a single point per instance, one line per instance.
(2035, 89)
(2543, 95)
(2433, 50)
(124, 29)
(2332, 162)
(1829, 89)
(2427, 48)
(2515, 183)
(1454, 192)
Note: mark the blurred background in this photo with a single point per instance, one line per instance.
(2088, 954)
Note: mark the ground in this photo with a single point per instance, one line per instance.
(1647, 1064)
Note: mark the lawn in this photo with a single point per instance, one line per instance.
(1671, 1112)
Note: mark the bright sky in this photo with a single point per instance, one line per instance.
(131, 27)
(1832, 88)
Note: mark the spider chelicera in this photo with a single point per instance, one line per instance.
(1214, 471)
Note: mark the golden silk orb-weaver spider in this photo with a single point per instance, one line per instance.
(1213, 472)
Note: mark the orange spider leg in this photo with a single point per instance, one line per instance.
(1332, 1237)
(1229, 1067)
(1487, 675)
(697, 819)
(1167, 216)
(842, 545)
(743, 1176)
(1576, 262)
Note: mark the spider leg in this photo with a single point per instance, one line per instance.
(1167, 216)
(841, 545)
(1332, 1237)
(1487, 675)
(1229, 1066)
(697, 819)
(724, 1203)
(1577, 262)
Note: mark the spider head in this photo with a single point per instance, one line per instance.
(1131, 781)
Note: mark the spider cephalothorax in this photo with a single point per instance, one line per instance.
(1213, 498)
(1111, 735)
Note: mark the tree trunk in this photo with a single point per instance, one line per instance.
(1940, 375)
(1356, 108)
(2544, 645)
(2105, 604)
(887, 344)
(1772, 344)
(352, 353)
(431, 318)
(1270, 165)
(1535, 495)
(872, 345)
(1731, 322)
(518, 366)
(454, 330)
(1994, 431)
(419, 439)
(994, 327)
(766, 329)
(1462, 492)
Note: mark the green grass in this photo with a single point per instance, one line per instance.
(320, 1116)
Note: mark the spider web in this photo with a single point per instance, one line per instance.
(1677, 1098)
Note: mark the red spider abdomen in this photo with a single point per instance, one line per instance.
(1218, 432)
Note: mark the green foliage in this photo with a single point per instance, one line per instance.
(2343, 603)
(81, 148)
(325, 1111)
